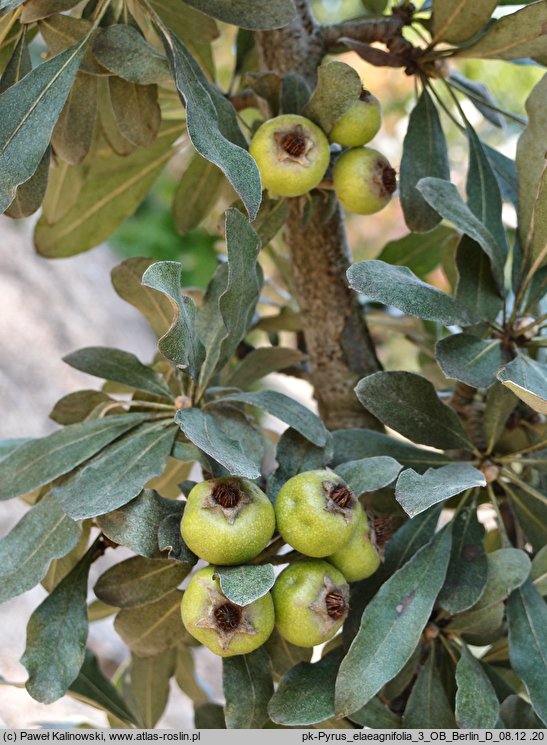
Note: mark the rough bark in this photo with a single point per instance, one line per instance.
(336, 334)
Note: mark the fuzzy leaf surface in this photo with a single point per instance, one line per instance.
(428, 705)
(527, 379)
(369, 474)
(248, 686)
(138, 581)
(471, 360)
(417, 492)
(245, 584)
(252, 14)
(477, 705)
(152, 628)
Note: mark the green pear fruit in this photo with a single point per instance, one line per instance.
(359, 123)
(358, 558)
(227, 521)
(311, 600)
(219, 624)
(363, 180)
(316, 512)
(292, 155)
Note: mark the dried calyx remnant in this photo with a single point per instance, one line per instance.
(389, 179)
(337, 606)
(227, 494)
(293, 144)
(227, 497)
(339, 498)
(227, 616)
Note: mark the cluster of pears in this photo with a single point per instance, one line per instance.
(293, 154)
(230, 521)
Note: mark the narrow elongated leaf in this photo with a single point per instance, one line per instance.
(38, 462)
(138, 581)
(39, 9)
(122, 50)
(73, 133)
(539, 571)
(476, 286)
(520, 34)
(363, 443)
(410, 538)
(527, 619)
(508, 568)
(136, 110)
(150, 685)
(467, 574)
(209, 716)
(409, 404)
(95, 689)
(480, 97)
(458, 20)
(428, 705)
(391, 625)
(202, 429)
(477, 705)
(289, 707)
(180, 344)
(28, 112)
(197, 193)
(424, 154)
(369, 474)
(119, 366)
(420, 253)
(56, 636)
(295, 94)
(136, 524)
(62, 30)
(445, 198)
(515, 713)
(253, 14)
(30, 195)
(532, 175)
(119, 473)
(527, 379)
(248, 686)
(154, 305)
(417, 492)
(212, 124)
(288, 410)
(245, 584)
(64, 185)
(506, 173)
(151, 629)
(44, 533)
(531, 515)
(397, 286)
(261, 362)
(469, 359)
(231, 300)
(59, 568)
(113, 189)
(500, 402)
(483, 193)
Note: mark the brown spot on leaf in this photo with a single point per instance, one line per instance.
(470, 553)
(405, 602)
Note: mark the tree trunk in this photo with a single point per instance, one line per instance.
(339, 345)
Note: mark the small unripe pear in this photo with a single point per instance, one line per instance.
(316, 512)
(292, 155)
(311, 600)
(358, 558)
(227, 521)
(359, 123)
(363, 180)
(222, 626)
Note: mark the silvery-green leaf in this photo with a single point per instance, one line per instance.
(57, 634)
(150, 685)
(527, 379)
(391, 625)
(424, 154)
(470, 360)
(248, 686)
(527, 619)
(40, 461)
(398, 287)
(245, 584)
(44, 533)
(253, 14)
(119, 473)
(417, 492)
(28, 112)
(151, 629)
(369, 474)
(123, 50)
(408, 403)
(138, 581)
(212, 124)
(427, 705)
(154, 305)
(289, 707)
(477, 705)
